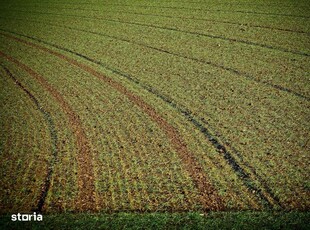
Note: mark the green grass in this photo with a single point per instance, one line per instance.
(194, 220)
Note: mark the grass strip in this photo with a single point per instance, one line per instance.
(191, 220)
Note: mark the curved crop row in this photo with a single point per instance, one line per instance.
(177, 30)
(200, 19)
(83, 101)
(240, 172)
(208, 195)
(178, 17)
(206, 10)
(229, 69)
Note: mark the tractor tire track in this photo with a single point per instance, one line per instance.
(177, 30)
(212, 36)
(207, 10)
(182, 18)
(204, 19)
(53, 133)
(228, 157)
(229, 69)
(262, 181)
(86, 186)
(218, 3)
(229, 4)
(208, 195)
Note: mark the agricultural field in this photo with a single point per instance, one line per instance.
(154, 106)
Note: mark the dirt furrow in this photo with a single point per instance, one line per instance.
(86, 196)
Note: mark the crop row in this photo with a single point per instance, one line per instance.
(278, 21)
(240, 33)
(282, 72)
(118, 192)
(286, 10)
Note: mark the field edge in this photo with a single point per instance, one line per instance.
(157, 220)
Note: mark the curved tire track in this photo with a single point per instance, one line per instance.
(208, 195)
(191, 18)
(206, 20)
(228, 157)
(264, 185)
(86, 199)
(177, 30)
(211, 36)
(182, 18)
(229, 69)
(218, 10)
(51, 125)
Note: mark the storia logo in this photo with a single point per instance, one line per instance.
(27, 217)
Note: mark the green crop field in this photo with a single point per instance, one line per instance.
(177, 106)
